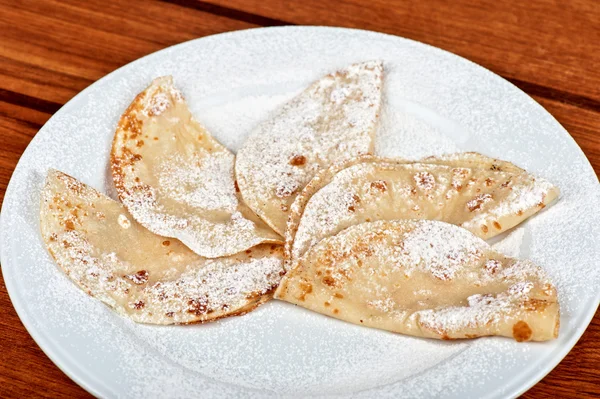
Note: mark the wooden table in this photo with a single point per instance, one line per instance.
(51, 50)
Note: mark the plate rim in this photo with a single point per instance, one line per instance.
(78, 374)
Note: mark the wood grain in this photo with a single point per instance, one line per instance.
(51, 50)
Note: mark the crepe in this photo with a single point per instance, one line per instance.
(484, 195)
(332, 120)
(423, 278)
(177, 180)
(473, 160)
(146, 277)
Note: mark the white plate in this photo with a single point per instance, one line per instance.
(435, 102)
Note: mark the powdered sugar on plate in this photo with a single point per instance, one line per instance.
(510, 245)
(279, 349)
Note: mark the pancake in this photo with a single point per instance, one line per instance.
(483, 195)
(143, 276)
(332, 120)
(474, 160)
(177, 181)
(423, 278)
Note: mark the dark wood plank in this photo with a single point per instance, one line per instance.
(50, 50)
(54, 49)
(18, 125)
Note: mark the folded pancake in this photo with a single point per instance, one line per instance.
(146, 277)
(177, 180)
(484, 195)
(473, 160)
(423, 278)
(332, 120)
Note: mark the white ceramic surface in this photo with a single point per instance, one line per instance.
(435, 102)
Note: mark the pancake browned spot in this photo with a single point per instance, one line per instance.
(521, 331)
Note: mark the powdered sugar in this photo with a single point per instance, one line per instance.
(211, 177)
(424, 180)
(337, 211)
(440, 251)
(476, 202)
(218, 284)
(379, 270)
(176, 180)
(511, 244)
(372, 188)
(521, 198)
(280, 349)
(166, 284)
(124, 221)
(480, 310)
(157, 105)
(332, 120)
(404, 133)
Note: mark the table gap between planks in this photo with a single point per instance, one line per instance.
(51, 50)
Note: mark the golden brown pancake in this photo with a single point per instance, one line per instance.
(143, 276)
(177, 180)
(423, 278)
(332, 120)
(484, 195)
